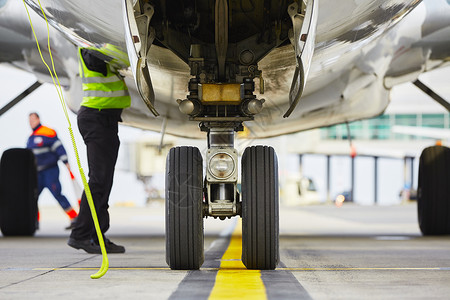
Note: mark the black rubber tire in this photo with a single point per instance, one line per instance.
(18, 193)
(260, 229)
(184, 209)
(433, 192)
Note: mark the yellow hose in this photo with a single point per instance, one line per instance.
(105, 263)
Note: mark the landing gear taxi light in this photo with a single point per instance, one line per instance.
(221, 166)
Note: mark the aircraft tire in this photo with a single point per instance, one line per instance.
(260, 228)
(433, 192)
(184, 209)
(18, 193)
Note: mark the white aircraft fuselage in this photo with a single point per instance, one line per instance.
(362, 49)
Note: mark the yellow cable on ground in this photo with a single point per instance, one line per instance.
(105, 263)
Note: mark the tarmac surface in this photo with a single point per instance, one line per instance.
(352, 252)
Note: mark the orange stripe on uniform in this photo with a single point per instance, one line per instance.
(45, 131)
(72, 214)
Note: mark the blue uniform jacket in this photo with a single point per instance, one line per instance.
(46, 147)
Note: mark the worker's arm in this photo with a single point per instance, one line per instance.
(93, 62)
(60, 151)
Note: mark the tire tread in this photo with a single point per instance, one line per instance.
(260, 230)
(434, 191)
(18, 193)
(184, 219)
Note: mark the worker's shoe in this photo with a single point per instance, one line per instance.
(87, 245)
(91, 247)
(113, 248)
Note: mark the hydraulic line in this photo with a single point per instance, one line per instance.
(105, 263)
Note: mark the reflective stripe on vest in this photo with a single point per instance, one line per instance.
(99, 79)
(56, 145)
(37, 151)
(104, 94)
(100, 91)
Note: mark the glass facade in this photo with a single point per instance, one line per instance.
(380, 128)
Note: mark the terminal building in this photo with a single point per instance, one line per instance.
(385, 166)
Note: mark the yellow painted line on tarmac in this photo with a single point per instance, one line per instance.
(233, 280)
(90, 268)
(242, 269)
(363, 269)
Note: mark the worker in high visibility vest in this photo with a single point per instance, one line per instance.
(48, 149)
(105, 95)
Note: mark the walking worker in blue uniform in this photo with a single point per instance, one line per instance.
(105, 94)
(48, 149)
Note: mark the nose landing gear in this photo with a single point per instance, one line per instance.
(189, 198)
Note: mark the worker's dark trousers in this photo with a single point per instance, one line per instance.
(99, 129)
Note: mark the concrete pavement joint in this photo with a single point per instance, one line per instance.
(47, 271)
(21, 281)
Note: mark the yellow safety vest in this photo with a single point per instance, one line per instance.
(101, 91)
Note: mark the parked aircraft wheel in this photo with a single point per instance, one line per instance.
(260, 233)
(18, 192)
(184, 208)
(433, 193)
